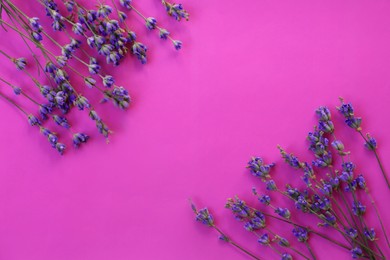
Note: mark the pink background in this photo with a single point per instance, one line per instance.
(249, 77)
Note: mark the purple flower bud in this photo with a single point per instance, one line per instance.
(264, 239)
(265, 199)
(108, 81)
(205, 217)
(271, 185)
(354, 122)
(346, 110)
(61, 60)
(79, 138)
(178, 44)
(44, 110)
(122, 16)
(35, 25)
(358, 208)
(82, 102)
(33, 120)
(89, 82)
(370, 234)
(371, 143)
(131, 36)
(348, 166)
(69, 5)
(323, 114)
(283, 212)
(104, 10)
(286, 256)
(94, 68)
(20, 63)
(361, 182)
(338, 145)
(139, 50)
(356, 252)
(17, 90)
(78, 28)
(61, 121)
(164, 34)
(351, 232)
(37, 36)
(126, 3)
(326, 126)
(93, 115)
(50, 67)
(301, 234)
(283, 242)
(60, 148)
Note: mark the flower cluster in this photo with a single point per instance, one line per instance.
(334, 199)
(93, 36)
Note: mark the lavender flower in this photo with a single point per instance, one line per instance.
(60, 148)
(17, 90)
(178, 44)
(346, 109)
(89, 82)
(283, 242)
(33, 120)
(44, 110)
(358, 208)
(239, 208)
(104, 10)
(301, 234)
(351, 232)
(20, 63)
(259, 169)
(265, 199)
(286, 256)
(108, 81)
(35, 25)
(61, 121)
(370, 234)
(290, 159)
(356, 252)
(69, 5)
(361, 182)
(150, 23)
(264, 239)
(271, 185)
(323, 114)
(338, 145)
(176, 11)
(371, 143)
(163, 33)
(283, 212)
(79, 138)
(126, 3)
(139, 50)
(204, 217)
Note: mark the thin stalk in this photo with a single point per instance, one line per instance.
(235, 244)
(14, 103)
(378, 160)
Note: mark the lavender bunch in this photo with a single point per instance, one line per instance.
(330, 193)
(94, 35)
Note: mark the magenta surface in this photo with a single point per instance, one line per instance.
(249, 77)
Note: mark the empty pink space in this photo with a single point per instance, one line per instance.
(249, 77)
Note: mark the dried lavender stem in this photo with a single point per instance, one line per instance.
(336, 228)
(13, 103)
(235, 244)
(377, 158)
